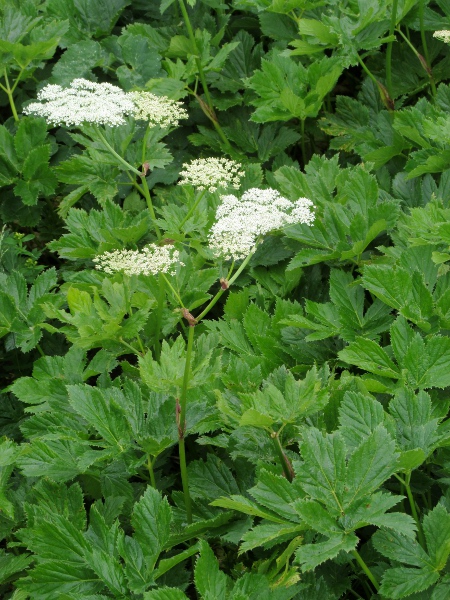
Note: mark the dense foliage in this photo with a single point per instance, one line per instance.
(226, 378)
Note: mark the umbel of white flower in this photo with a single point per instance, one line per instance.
(102, 104)
(211, 174)
(240, 222)
(152, 259)
(443, 35)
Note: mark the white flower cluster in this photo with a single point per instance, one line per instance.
(152, 259)
(443, 35)
(102, 104)
(157, 110)
(211, 173)
(240, 222)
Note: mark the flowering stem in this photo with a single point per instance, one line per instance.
(143, 189)
(130, 310)
(366, 569)
(181, 422)
(222, 290)
(389, 48)
(116, 154)
(159, 312)
(174, 292)
(192, 209)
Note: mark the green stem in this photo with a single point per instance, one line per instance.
(412, 504)
(221, 291)
(192, 209)
(210, 113)
(421, 60)
(174, 292)
(116, 154)
(366, 569)
(159, 314)
(422, 32)
(130, 310)
(9, 92)
(151, 471)
(143, 189)
(287, 467)
(303, 146)
(181, 417)
(389, 48)
(127, 345)
(148, 199)
(39, 349)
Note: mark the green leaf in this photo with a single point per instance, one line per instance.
(101, 411)
(12, 565)
(267, 535)
(368, 355)
(416, 429)
(311, 556)
(374, 461)
(436, 527)
(359, 415)
(401, 581)
(210, 479)
(242, 504)
(151, 522)
(317, 517)
(209, 580)
(165, 593)
(322, 474)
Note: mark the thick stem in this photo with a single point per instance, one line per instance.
(181, 422)
(366, 569)
(389, 48)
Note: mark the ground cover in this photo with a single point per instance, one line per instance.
(225, 300)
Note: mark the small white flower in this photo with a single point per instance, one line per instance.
(82, 102)
(157, 110)
(240, 222)
(102, 104)
(152, 259)
(443, 35)
(211, 173)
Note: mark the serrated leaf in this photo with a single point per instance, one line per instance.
(311, 556)
(368, 355)
(151, 522)
(402, 581)
(209, 580)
